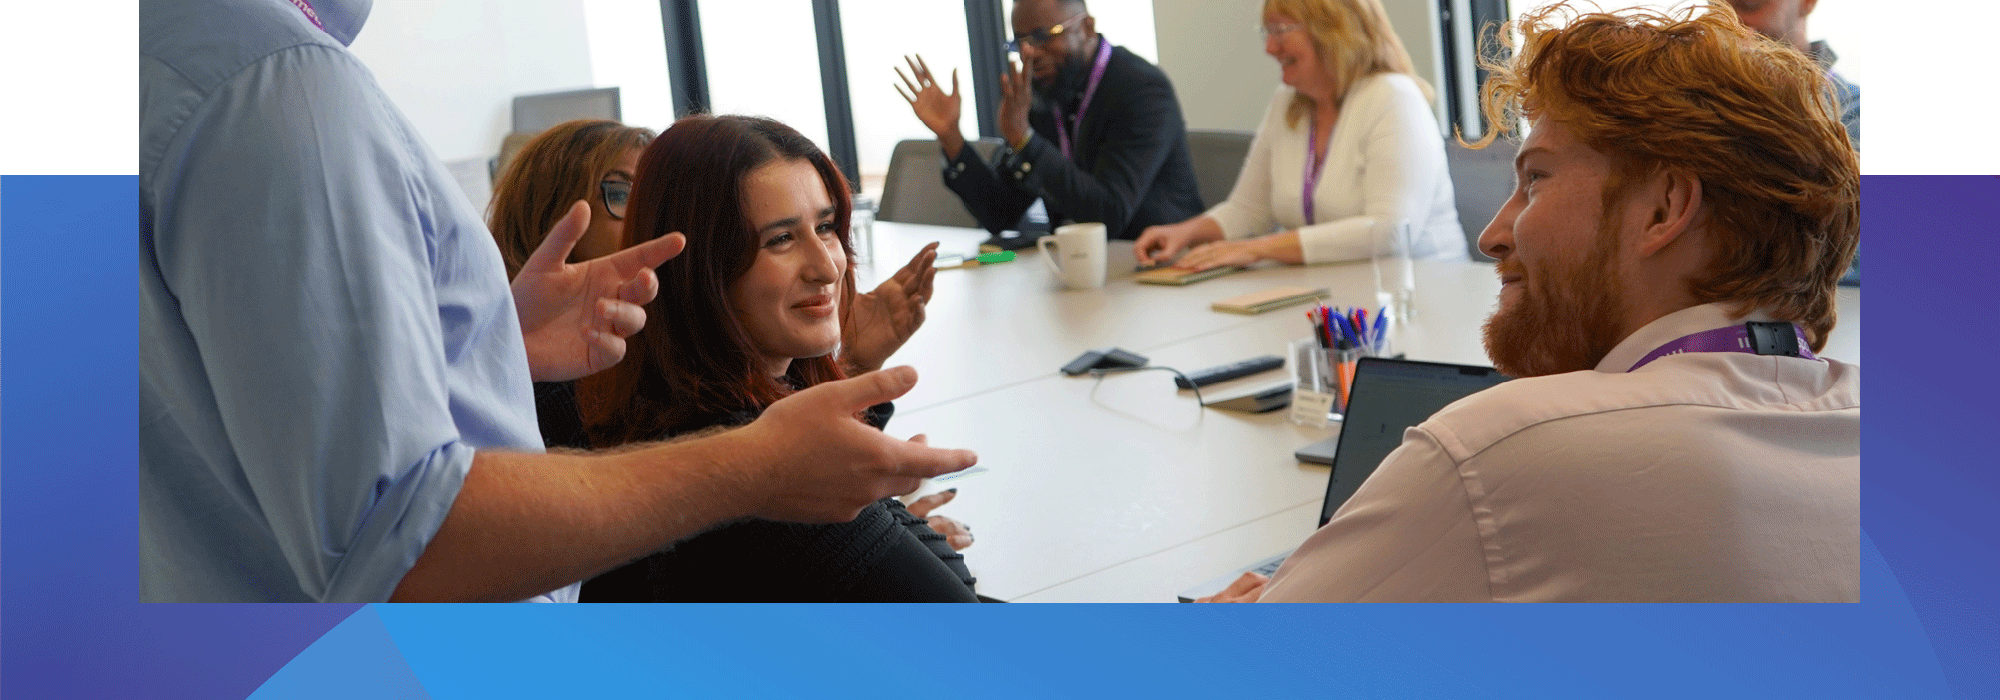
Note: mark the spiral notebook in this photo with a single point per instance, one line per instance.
(1178, 277)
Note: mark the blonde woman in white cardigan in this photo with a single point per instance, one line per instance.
(1352, 126)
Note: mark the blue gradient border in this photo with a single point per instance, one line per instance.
(68, 518)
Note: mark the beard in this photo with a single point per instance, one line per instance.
(1068, 81)
(1565, 318)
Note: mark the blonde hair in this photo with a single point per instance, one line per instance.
(1695, 91)
(1354, 40)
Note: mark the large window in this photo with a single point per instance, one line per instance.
(626, 52)
(877, 35)
(763, 59)
(767, 58)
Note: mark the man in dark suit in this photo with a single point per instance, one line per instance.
(1092, 130)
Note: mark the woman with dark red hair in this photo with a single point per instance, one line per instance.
(751, 312)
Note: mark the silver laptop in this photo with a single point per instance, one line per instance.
(1388, 396)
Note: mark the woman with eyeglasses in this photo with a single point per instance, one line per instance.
(1349, 140)
(750, 312)
(587, 159)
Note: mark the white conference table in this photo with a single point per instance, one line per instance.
(1125, 489)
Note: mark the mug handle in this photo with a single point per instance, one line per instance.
(1048, 256)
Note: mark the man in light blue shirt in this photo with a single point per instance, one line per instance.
(335, 398)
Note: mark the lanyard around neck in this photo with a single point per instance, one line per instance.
(306, 6)
(1089, 91)
(1760, 338)
(1315, 162)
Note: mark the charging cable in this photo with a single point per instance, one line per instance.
(1099, 374)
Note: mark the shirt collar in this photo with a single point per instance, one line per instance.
(1669, 328)
(1822, 53)
(342, 19)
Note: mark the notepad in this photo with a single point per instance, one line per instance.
(1178, 277)
(1260, 302)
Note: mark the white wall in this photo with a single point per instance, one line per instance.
(454, 66)
(1416, 22)
(1210, 49)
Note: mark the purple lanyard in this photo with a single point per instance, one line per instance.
(1315, 161)
(1727, 339)
(1089, 90)
(306, 6)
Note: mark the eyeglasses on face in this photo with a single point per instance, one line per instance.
(1277, 28)
(1041, 37)
(616, 194)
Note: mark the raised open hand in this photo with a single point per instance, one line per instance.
(883, 320)
(1015, 98)
(934, 107)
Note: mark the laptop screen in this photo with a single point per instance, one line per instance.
(1389, 396)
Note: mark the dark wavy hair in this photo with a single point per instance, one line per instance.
(1696, 91)
(694, 360)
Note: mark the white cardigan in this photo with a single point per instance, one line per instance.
(1384, 160)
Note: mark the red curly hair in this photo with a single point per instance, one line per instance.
(1695, 91)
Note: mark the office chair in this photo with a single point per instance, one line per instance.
(1481, 180)
(1218, 159)
(914, 192)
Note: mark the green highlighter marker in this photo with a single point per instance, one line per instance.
(954, 262)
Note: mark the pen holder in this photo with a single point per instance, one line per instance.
(1321, 379)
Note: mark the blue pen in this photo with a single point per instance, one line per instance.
(1380, 321)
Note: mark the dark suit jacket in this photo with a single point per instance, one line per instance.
(1131, 167)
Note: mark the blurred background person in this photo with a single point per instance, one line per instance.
(1091, 129)
(1785, 20)
(588, 160)
(1349, 139)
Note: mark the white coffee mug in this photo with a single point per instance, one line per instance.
(1077, 256)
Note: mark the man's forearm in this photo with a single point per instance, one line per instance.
(952, 142)
(526, 524)
(994, 203)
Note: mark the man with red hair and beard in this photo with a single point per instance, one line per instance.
(1685, 202)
